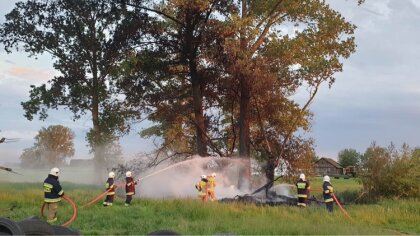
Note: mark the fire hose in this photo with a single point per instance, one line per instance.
(100, 196)
(338, 203)
(74, 205)
(74, 211)
(341, 208)
(118, 185)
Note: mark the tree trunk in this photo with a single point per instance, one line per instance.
(97, 156)
(269, 173)
(244, 139)
(197, 83)
(199, 120)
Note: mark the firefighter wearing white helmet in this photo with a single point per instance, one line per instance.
(130, 189)
(211, 190)
(328, 191)
(202, 187)
(110, 189)
(52, 194)
(303, 188)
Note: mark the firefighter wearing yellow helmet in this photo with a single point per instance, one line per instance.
(211, 190)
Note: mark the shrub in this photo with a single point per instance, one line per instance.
(388, 172)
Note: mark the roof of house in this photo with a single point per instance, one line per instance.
(331, 161)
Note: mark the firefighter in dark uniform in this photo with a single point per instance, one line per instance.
(52, 194)
(130, 189)
(110, 188)
(327, 191)
(303, 188)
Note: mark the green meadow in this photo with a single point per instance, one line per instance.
(190, 216)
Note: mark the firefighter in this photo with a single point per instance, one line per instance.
(110, 188)
(130, 189)
(52, 194)
(327, 191)
(303, 188)
(202, 188)
(212, 187)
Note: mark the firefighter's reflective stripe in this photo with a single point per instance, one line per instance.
(52, 220)
(302, 188)
(48, 187)
(52, 200)
(110, 193)
(61, 192)
(329, 189)
(301, 204)
(301, 185)
(130, 193)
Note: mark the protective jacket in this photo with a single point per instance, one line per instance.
(202, 187)
(129, 186)
(52, 189)
(211, 183)
(110, 186)
(302, 188)
(327, 191)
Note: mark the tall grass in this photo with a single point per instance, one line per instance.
(190, 216)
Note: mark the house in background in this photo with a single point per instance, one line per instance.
(327, 166)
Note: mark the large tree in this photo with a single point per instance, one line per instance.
(179, 92)
(349, 157)
(277, 47)
(89, 41)
(52, 146)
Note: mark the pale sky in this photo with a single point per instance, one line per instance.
(375, 98)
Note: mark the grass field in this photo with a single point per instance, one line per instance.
(190, 216)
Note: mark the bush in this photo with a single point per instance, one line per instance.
(348, 196)
(388, 172)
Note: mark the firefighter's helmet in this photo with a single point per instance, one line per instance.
(302, 176)
(128, 174)
(213, 175)
(111, 174)
(203, 176)
(54, 171)
(326, 178)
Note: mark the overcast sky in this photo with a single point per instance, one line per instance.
(375, 98)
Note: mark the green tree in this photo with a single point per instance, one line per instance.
(89, 41)
(349, 157)
(32, 158)
(52, 145)
(389, 172)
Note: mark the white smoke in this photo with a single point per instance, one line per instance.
(178, 180)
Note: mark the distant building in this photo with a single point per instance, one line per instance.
(327, 166)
